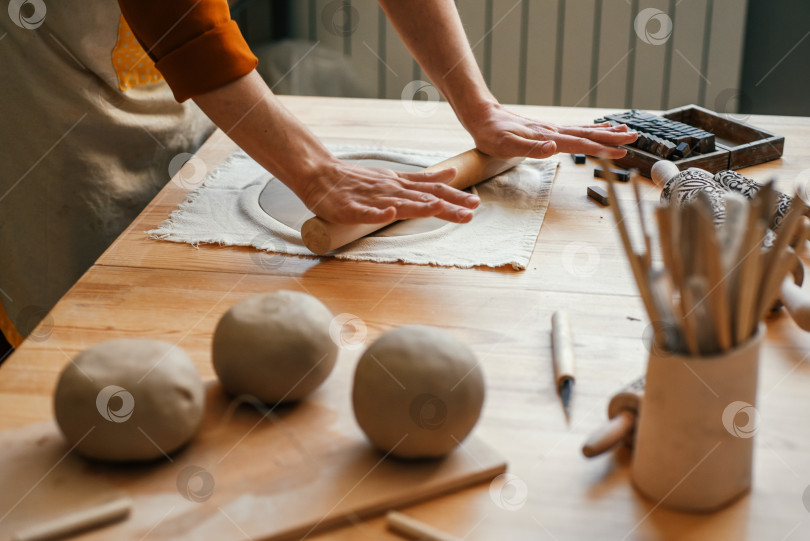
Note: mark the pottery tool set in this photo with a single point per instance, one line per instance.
(717, 282)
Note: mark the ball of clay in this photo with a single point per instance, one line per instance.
(129, 400)
(417, 392)
(275, 347)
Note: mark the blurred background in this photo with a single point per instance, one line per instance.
(732, 56)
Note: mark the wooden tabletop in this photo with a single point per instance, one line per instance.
(175, 292)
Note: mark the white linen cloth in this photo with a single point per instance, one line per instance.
(224, 209)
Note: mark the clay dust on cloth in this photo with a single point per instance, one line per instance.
(230, 207)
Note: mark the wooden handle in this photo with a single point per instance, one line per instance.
(413, 529)
(663, 171)
(562, 347)
(615, 431)
(471, 167)
(796, 301)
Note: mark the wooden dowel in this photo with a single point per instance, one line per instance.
(647, 244)
(607, 437)
(472, 167)
(771, 287)
(716, 300)
(636, 264)
(773, 266)
(664, 218)
(695, 291)
(562, 347)
(796, 301)
(414, 529)
(77, 521)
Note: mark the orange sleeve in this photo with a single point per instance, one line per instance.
(195, 44)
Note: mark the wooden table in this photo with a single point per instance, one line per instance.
(175, 292)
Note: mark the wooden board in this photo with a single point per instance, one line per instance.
(251, 472)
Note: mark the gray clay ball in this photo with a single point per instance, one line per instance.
(275, 347)
(129, 400)
(418, 391)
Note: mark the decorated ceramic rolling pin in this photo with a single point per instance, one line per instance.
(694, 180)
(622, 414)
(472, 167)
(683, 187)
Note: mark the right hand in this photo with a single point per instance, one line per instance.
(345, 193)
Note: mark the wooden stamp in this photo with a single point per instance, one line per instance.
(598, 194)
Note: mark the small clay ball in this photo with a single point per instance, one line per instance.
(275, 347)
(418, 391)
(129, 400)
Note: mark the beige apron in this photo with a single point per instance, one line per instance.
(83, 147)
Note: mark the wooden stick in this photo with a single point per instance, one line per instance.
(471, 167)
(796, 301)
(770, 289)
(636, 261)
(614, 432)
(696, 293)
(562, 353)
(664, 218)
(732, 233)
(786, 231)
(77, 521)
(672, 221)
(644, 233)
(411, 528)
(661, 291)
(716, 300)
(750, 271)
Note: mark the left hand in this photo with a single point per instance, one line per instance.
(504, 134)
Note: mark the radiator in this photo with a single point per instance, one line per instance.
(650, 54)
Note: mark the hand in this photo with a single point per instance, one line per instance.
(504, 134)
(345, 193)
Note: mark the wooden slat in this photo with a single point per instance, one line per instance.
(473, 18)
(365, 47)
(687, 41)
(541, 51)
(614, 54)
(650, 62)
(724, 60)
(506, 45)
(576, 54)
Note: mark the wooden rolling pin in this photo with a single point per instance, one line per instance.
(471, 167)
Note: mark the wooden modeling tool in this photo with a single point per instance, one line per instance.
(472, 167)
(725, 276)
(562, 345)
(78, 521)
(410, 528)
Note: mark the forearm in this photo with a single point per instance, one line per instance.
(250, 114)
(432, 31)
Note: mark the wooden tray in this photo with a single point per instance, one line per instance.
(248, 474)
(737, 144)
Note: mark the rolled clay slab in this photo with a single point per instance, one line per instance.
(129, 400)
(417, 392)
(275, 347)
